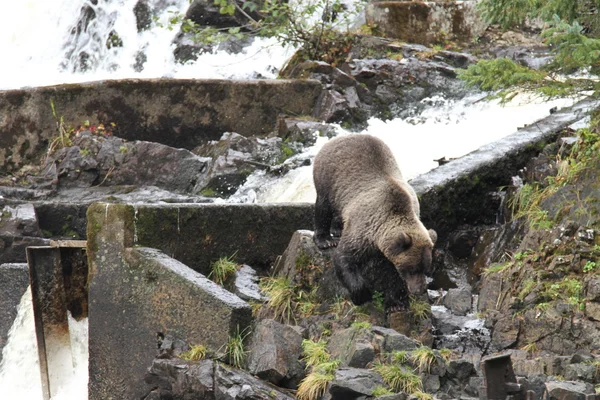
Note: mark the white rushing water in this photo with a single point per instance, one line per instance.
(20, 369)
(37, 46)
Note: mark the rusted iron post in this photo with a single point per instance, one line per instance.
(58, 279)
(50, 315)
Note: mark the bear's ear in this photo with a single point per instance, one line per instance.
(433, 235)
(402, 243)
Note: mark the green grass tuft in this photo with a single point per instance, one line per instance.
(222, 269)
(196, 353)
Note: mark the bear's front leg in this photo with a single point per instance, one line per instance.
(348, 270)
(323, 217)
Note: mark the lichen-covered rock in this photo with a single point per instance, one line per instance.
(459, 300)
(274, 353)
(235, 384)
(389, 340)
(246, 284)
(306, 266)
(177, 378)
(352, 346)
(563, 390)
(109, 160)
(352, 383)
(235, 157)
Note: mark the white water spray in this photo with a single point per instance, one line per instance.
(40, 45)
(20, 369)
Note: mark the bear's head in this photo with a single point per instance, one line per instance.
(409, 246)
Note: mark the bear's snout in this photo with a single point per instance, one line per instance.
(415, 283)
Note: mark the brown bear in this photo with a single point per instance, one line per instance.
(363, 198)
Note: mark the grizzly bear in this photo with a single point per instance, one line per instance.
(363, 198)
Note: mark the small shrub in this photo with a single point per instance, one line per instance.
(530, 348)
(420, 309)
(322, 370)
(281, 298)
(222, 269)
(313, 386)
(315, 353)
(446, 354)
(235, 351)
(399, 378)
(378, 298)
(422, 395)
(590, 266)
(196, 353)
(423, 357)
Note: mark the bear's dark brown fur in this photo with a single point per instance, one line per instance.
(383, 245)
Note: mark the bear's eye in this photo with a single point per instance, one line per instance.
(403, 243)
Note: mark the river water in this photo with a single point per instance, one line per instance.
(37, 47)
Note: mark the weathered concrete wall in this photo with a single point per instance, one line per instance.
(198, 234)
(137, 295)
(426, 22)
(14, 280)
(175, 112)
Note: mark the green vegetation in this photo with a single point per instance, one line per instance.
(572, 34)
(400, 357)
(325, 38)
(361, 325)
(381, 391)
(496, 268)
(446, 354)
(583, 157)
(286, 301)
(530, 348)
(281, 297)
(222, 269)
(420, 309)
(196, 353)
(590, 266)
(378, 298)
(235, 351)
(423, 357)
(399, 378)
(322, 368)
(63, 138)
(315, 353)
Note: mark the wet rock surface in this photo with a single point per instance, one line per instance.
(275, 352)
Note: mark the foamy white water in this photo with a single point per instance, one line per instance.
(38, 49)
(20, 369)
(446, 128)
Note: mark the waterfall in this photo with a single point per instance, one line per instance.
(46, 42)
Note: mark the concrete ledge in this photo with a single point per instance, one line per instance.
(15, 280)
(176, 112)
(138, 295)
(198, 234)
(456, 193)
